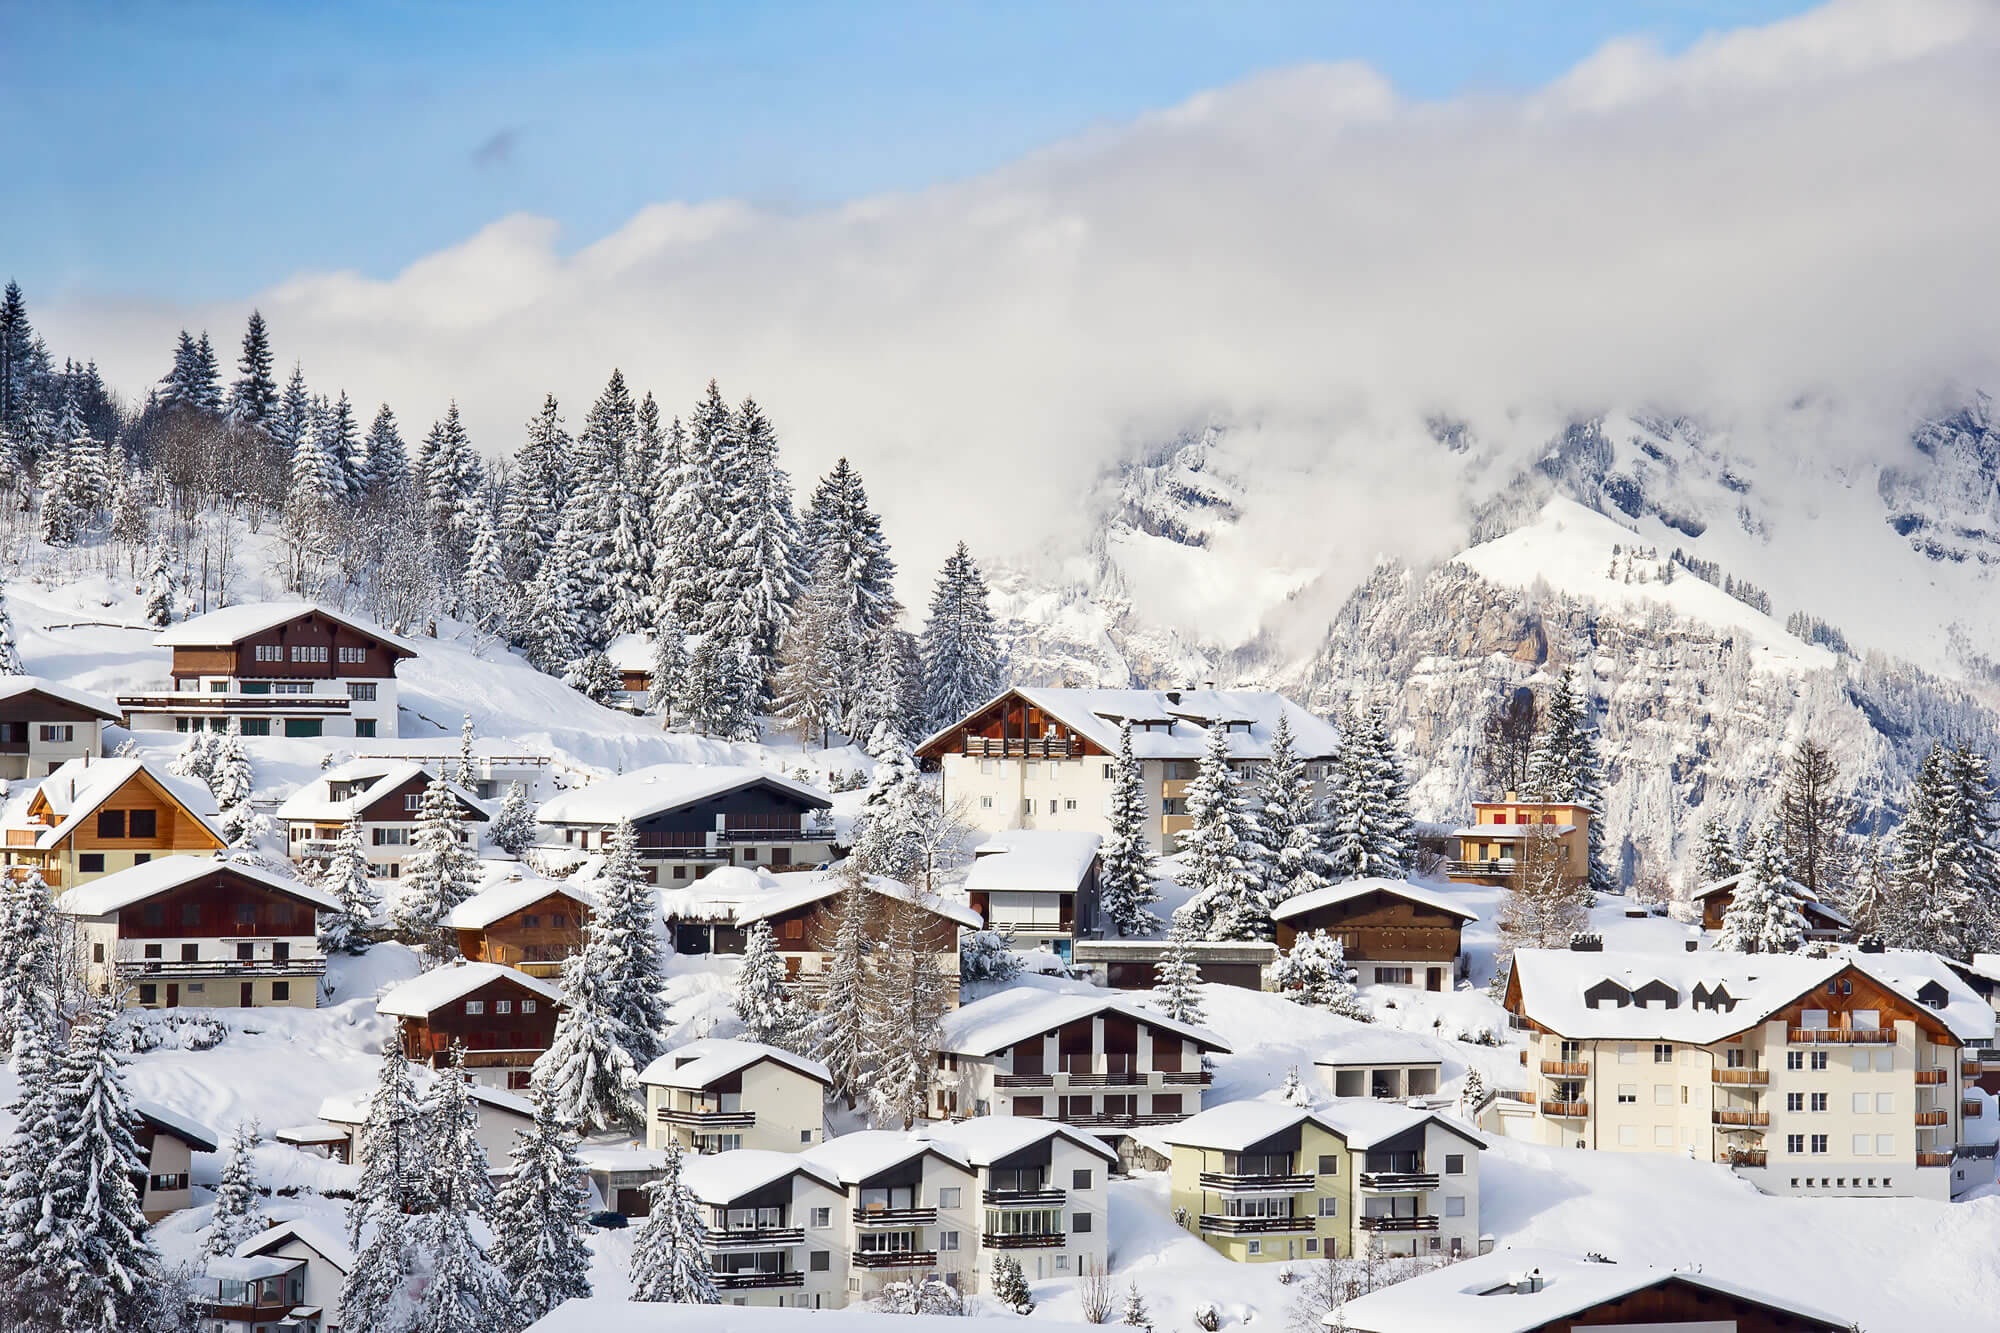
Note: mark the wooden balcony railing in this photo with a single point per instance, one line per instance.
(1932, 1119)
(1023, 1198)
(1971, 1108)
(753, 1238)
(753, 1281)
(1401, 1182)
(1754, 1078)
(1566, 1110)
(1841, 1036)
(1051, 1240)
(1019, 747)
(1255, 1226)
(1933, 1159)
(1931, 1078)
(1740, 1119)
(896, 1217)
(1969, 1068)
(1399, 1223)
(1748, 1157)
(1483, 869)
(875, 1259)
(1566, 1068)
(696, 1119)
(222, 967)
(1224, 1182)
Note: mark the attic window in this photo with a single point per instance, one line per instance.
(1607, 989)
(1934, 995)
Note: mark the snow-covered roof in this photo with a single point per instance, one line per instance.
(1807, 898)
(1096, 714)
(123, 888)
(1479, 1295)
(645, 792)
(233, 624)
(76, 788)
(712, 1059)
(986, 1139)
(508, 895)
(718, 894)
(853, 1158)
(1032, 861)
(312, 801)
(185, 1128)
(1334, 894)
(1005, 1017)
(249, 1268)
(327, 1244)
(351, 1107)
(797, 889)
(615, 1314)
(423, 995)
(1509, 832)
(1377, 1045)
(1553, 982)
(1365, 1122)
(719, 1178)
(1234, 1126)
(631, 652)
(12, 687)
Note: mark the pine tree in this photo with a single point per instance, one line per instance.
(31, 1289)
(888, 830)
(626, 929)
(767, 545)
(1871, 899)
(389, 476)
(1010, 1285)
(890, 694)
(841, 1025)
(345, 929)
(1315, 972)
(538, 487)
(485, 594)
(17, 340)
(287, 424)
(590, 1076)
(1814, 813)
(208, 375)
(1545, 905)
(717, 693)
(1125, 874)
(391, 1149)
(372, 1295)
(668, 1261)
(10, 656)
(551, 627)
(1288, 822)
(619, 579)
(842, 534)
(1717, 858)
(1934, 904)
(538, 1215)
(1564, 767)
(1218, 852)
(465, 1293)
(909, 1001)
(1135, 1308)
(764, 999)
(962, 663)
(513, 829)
(185, 385)
(159, 589)
(1179, 978)
(1293, 1092)
(812, 692)
(30, 962)
(343, 443)
(439, 875)
(1368, 820)
(1470, 1094)
(232, 783)
(238, 1213)
(1764, 915)
(450, 481)
(670, 665)
(694, 548)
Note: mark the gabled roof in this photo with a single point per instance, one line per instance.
(12, 687)
(424, 995)
(711, 1059)
(188, 1130)
(1808, 900)
(351, 1107)
(383, 776)
(233, 624)
(1479, 1296)
(1509, 832)
(853, 1158)
(650, 791)
(799, 888)
(164, 874)
(720, 1178)
(508, 895)
(1334, 894)
(1365, 1122)
(986, 1139)
(631, 652)
(76, 788)
(1234, 1126)
(1005, 1017)
(326, 1244)
(1032, 861)
(1095, 714)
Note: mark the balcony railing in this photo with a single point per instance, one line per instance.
(206, 701)
(1566, 1068)
(1969, 1068)
(1483, 869)
(1841, 1036)
(1047, 1240)
(753, 1237)
(502, 1058)
(1400, 1181)
(1566, 1110)
(896, 1217)
(1225, 1182)
(669, 1115)
(1933, 1159)
(753, 1281)
(1427, 1223)
(875, 1259)
(1133, 1121)
(1256, 1226)
(222, 967)
(1931, 1078)
(1972, 1108)
(1019, 747)
(1024, 1080)
(1740, 1119)
(1932, 1119)
(1044, 1198)
(1748, 1157)
(1019, 925)
(1754, 1078)
(1187, 1078)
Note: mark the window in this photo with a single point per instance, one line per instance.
(270, 652)
(1819, 1060)
(1312, 1244)
(1885, 1062)
(1454, 1163)
(805, 1136)
(1329, 1164)
(362, 690)
(1069, 805)
(90, 863)
(819, 1261)
(63, 733)
(503, 1006)
(1663, 1136)
(1079, 1180)
(413, 800)
(1628, 1054)
(149, 994)
(1256, 1247)
(1027, 805)
(986, 803)
(390, 837)
(1885, 1103)
(947, 1240)
(144, 823)
(527, 1006)
(1174, 805)
(1795, 1143)
(256, 726)
(822, 1217)
(1861, 1103)
(1819, 1144)
(254, 687)
(1861, 1061)
(1628, 1136)
(110, 823)
(948, 1197)
(1885, 1145)
(1454, 1205)
(309, 652)
(152, 951)
(475, 1006)
(364, 727)
(351, 654)
(1819, 1101)
(302, 728)
(1795, 1101)
(218, 687)
(281, 990)
(1861, 1145)
(1663, 1094)
(1663, 1053)
(1395, 976)
(1110, 772)
(1079, 1224)
(1795, 1059)
(97, 953)
(176, 1181)
(1628, 1093)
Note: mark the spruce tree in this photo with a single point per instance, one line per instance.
(764, 1000)
(1717, 858)
(890, 693)
(287, 425)
(538, 1217)
(1288, 822)
(669, 1262)
(717, 692)
(1933, 905)
(31, 1289)
(840, 1030)
(238, 1213)
(1814, 812)
(1315, 972)
(345, 930)
(1368, 819)
(465, 1292)
(159, 589)
(589, 1073)
(391, 1149)
(450, 481)
(538, 487)
(1218, 852)
(1764, 915)
(350, 455)
(1178, 987)
(389, 477)
(962, 663)
(1125, 865)
(909, 1001)
(372, 1295)
(551, 628)
(485, 594)
(670, 666)
(626, 929)
(513, 829)
(17, 341)
(841, 533)
(1564, 767)
(439, 875)
(1010, 1285)
(767, 546)
(812, 692)
(31, 952)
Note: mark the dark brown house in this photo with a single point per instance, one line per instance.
(1822, 922)
(387, 795)
(526, 922)
(502, 1017)
(1394, 933)
(692, 818)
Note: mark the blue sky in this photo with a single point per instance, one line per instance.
(202, 152)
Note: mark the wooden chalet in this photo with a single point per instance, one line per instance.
(502, 1017)
(1393, 932)
(96, 817)
(44, 725)
(525, 922)
(387, 796)
(691, 818)
(1823, 922)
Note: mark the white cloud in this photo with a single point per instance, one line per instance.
(1805, 208)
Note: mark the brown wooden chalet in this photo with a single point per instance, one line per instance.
(529, 923)
(1011, 727)
(1822, 922)
(386, 795)
(691, 818)
(502, 1017)
(1393, 932)
(92, 818)
(804, 918)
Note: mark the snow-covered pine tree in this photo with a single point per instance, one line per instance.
(439, 875)
(668, 1260)
(159, 589)
(1932, 905)
(1470, 1094)
(669, 670)
(1764, 915)
(345, 930)
(717, 692)
(30, 962)
(208, 375)
(389, 478)
(551, 626)
(1178, 987)
(1135, 1308)
(840, 1027)
(764, 1000)
(767, 545)
(1293, 1092)
(812, 694)
(1010, 1285)
(450, 481)
(1717, 857)
(1978, 831)
(184, 386)
(31, 1268)
(465, 1293)
(538, 1215)
(238, 1213)
(485, 594)
(593, 676)
(10, 656)
(343, 441)
(625, 931)
(1288, 822)
(391, 1149)
(590, 1076)
(1315, 972)
(909, 1000)
(513, 828)
(888, 836)
(889, 697)
(372, 1295)
(1368, 817)
(1564, 767)
(1872, 894)
(692, 537)
(1219, 850)
(962, 665)
(1814, 812)
(618, 577)
(287, 425)
(840, 530)
(232, 782)
(1125, 874)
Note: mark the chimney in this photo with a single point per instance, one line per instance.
(1510, 798)
(1583, 942)
(1872, 944)
(1174, 697)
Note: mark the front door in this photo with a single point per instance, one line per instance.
(245, 994)
(173, 993)
(1434, 978)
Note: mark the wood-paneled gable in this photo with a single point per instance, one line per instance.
(311, 629)
(1862, 992)
(811, 928)
(546, 931)
(393, 807)
(1675, 1303)
(174, 829)
(1012, 718)
(219, 905)
(488, 1030)
(1381, 926)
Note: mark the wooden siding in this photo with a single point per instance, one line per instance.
(1674, 1302)
(213, 907)
(810, 929)
(488, 1031)
(34, 706)
(1865, 993)
(1010, 717)
(1381, 926)
(512, 941)
(389, 808)
(311, 629)
(175, 829)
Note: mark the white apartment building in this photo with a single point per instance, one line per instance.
(1041, 1195)
(717, 1096)
(387, 796)
(1038, 758)
(780, 1230)
(912, 1209)
(1841, 1075)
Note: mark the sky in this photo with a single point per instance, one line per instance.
(203, 151)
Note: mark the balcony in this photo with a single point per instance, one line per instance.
(1257, 1226)
(209, 701)
(1482, 869)
(1932, 1119)
(1740, 1119)
(1931, 1078)
(1044, 1198)
(1401, 1182)
(1748, 1157)
(698, 1119)
(1566, 1110)
(1971, 1108)
(1132, 1121)
(1566, 1068)
(1741, 1078)
(754, 1281)
(1050, 1240)
(1426, 1223)
(494, 1058)
(754, 1238)
(1841, 1036)
(879, 1259)
(895, 1217)
(1192, 1078)
(1223, 1182)
(170, 968)
(1969, 1068)
(1933, 1159)
(1021, 925)
(1018, 747)
(1024, 1080)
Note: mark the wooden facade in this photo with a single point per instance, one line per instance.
(1381, 926)
(1011, 727)
(810, 929)
(1853, 989)
(1715, 906)
(1676, 1303)
(536, 939)
(310, 630)
(140, 820)
(219, 904)
(500, 1024)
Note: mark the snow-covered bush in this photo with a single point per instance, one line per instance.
(925, 1295)
(169, 1030)
(1010, 1285)
(986, 955)
(1206, 1317)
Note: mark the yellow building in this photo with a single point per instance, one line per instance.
(96, 817)
(1490, 849)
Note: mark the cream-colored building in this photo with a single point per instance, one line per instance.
(779, 1228)
(1043, 758)
(1041, 1192)
(169, 1142)
(1839, 1075)
(913, 1209)
(95, 817)
(718, 1096)
(44, 725)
